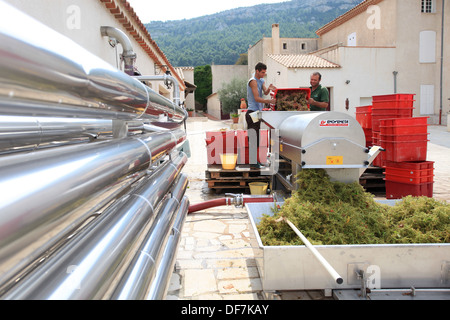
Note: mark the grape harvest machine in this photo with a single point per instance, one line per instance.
(335, 142)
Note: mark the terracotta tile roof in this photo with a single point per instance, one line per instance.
(360, 8)
(127, 17)
(302, 61)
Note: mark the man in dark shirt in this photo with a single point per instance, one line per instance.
(320, 97)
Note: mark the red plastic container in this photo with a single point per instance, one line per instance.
(394, 97)
(404, 151)
(383, 114)
(243, 146)
(398, 190)
(403, 104)
(410, 172)
(413, 165)
(417, 125)
(368, 134)
(404, 137)
(364, 116)
(220, 142)
(290, 90)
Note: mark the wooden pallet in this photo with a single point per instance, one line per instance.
(373, 180)
(219, 179)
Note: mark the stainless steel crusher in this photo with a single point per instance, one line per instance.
(336, 142)
(332, 141)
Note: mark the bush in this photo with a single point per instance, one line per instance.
(231, 94)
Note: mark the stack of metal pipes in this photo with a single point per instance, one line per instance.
(92, 194)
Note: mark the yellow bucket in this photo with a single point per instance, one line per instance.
(258, 188)
(228, 161)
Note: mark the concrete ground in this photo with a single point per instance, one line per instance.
(215, 260)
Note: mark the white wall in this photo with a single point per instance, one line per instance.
(214, 106)
(80, 20)
(369, 71)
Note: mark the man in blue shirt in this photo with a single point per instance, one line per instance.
(255, 90)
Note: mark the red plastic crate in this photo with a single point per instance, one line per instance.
(244, 155)
(290, 90)
(413, 121)
(220, 142)
(398, 190)
(403, 112)
(401, 104)
(364, 116)
(410, 172)
(403, 137)
(412, 165)
(384, 114)
(416, 125)
(392, 97)
(404, 151)
(368, 133)
(243, 146)
(242, 137)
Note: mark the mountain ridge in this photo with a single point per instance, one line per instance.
(222, 37)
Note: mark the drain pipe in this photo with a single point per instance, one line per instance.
(128, 55)
(395, 73)
(442, 63)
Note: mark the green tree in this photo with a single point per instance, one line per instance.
(243, 59)
(203, 81)
(231, 94)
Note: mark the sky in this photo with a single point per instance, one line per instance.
(165, 10)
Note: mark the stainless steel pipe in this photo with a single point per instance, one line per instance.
(44, 192)
(160, 284)
(141, 272)
(30, 133)
(73, 216)
(128, 55)
(87, 266)
(60, 78)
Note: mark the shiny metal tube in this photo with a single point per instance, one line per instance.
(128, 55)
(160, 284)
(165, 77)
(45, 78)
(72, 217)
(138, 277)
(86, 267)
(30, 133)
(42, 194)
(180, 187)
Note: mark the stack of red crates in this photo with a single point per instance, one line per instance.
(235, 142)
(220, 142)
(243, 146)
(405, 139)
(391, 106)
(407, 170)
(364, 117)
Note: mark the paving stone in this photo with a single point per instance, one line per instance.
(210, 226)
(199, 281)
(239, 285)
(237, 273)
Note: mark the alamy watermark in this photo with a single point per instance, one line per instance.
(73, 20)
(374, 20)
(373, 277)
